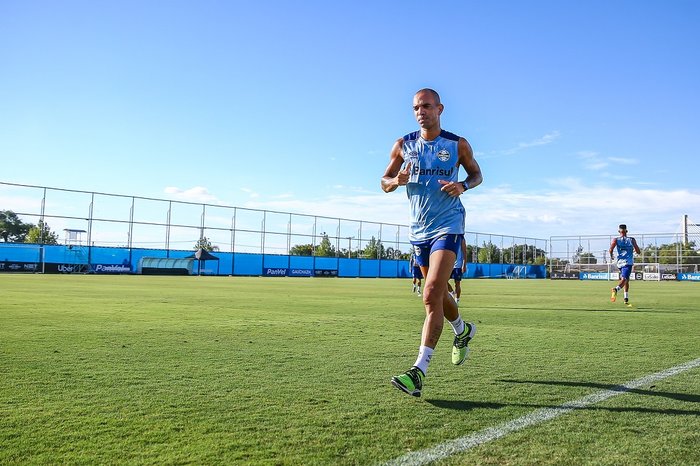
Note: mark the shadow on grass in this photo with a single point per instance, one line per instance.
(601, 386)
(466, 405)
(469, 405)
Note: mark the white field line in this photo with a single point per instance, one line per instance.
(452, 447)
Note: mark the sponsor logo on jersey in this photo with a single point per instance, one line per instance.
(433, 171)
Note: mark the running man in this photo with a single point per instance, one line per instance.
(626, 247)
(427, 162)
(417, 274)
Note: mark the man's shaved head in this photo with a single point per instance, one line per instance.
(432, 92)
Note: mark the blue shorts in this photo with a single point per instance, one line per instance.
(625, 271)
(416, 272)
(456, 274)
(424, 249)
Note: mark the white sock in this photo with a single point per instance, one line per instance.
(457, 325)
(423, 359)
(627, 295)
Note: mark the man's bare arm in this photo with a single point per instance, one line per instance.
(467, 160)
(393, 175)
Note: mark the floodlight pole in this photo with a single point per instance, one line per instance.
(349, 238)
(89, 232)
(130, 239)
(41, 250)
(167, 229)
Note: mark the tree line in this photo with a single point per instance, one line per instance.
(14, 230)
(488, 253)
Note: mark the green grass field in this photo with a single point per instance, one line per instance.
(205, 370)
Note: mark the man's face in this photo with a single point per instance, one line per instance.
(426, 110)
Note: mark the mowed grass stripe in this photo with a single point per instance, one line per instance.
(132, 369)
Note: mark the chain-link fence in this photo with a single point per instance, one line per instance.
(673, 252)
(90, 222)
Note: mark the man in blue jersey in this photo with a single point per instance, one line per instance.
(458, 271)
(417, 274)
(626, 247)
(427, 162)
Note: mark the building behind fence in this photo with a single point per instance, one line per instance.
(111, 233)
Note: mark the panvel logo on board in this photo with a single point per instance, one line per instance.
(275, 272)
(107, 268)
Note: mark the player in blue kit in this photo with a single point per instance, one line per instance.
(427, 162)
(417, 274)
(458, 271)
(626, 247)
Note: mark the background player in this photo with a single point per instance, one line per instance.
(458, 271)
(417, 274)
(626, 247)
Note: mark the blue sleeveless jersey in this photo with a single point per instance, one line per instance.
(625, 251)
(433, 212)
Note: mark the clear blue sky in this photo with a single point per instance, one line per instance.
(582, 115)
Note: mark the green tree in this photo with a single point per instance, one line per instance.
(302, 250)
(523, 254)
(12, 229)
(343, 252)
(672, 253)
(325, 248)
(41, 234)
(489, 253)
(540, 260)
(374, 249)
(515, 254)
